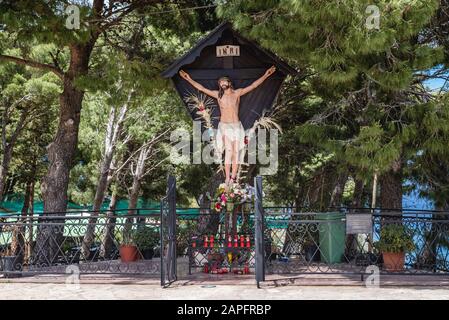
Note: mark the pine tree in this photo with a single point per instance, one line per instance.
(46, 22)
(366, 77)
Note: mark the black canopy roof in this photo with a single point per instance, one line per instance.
(205, 67)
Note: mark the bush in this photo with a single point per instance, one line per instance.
(146, 237)
(395, 238)
(185, 231)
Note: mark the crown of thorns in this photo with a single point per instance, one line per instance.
(224, 79)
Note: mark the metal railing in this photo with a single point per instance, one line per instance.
(93, 244)
(293, 242)
(317, 242)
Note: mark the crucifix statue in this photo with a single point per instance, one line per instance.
(231, 134)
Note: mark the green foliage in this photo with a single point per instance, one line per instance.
(184, 231)
(128, 236)
(395, 238)
(369, 152)
(358, 103)
(146, 237)
(331, 36)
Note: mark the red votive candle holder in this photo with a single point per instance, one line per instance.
(236, 242)
(242, 241)
(211, 241)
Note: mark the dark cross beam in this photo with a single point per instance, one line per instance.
(228, 62)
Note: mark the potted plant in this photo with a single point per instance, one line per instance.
(128, 248)
(395, 240)
(9, 264)
(146, 238)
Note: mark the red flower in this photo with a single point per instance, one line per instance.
(218, 206)
(246, 139)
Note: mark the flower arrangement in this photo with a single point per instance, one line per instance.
(231, 195)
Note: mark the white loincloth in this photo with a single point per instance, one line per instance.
(230, 132)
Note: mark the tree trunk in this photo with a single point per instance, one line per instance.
(358, 194)
(61, 153)
(435, 237)
(102, 186)
(112, 135)
(138, 172)
(337, 192)
(18, 238)
(208, 222)
(4, 169)
(391, 187)
(30, 243)
(134, 196)
(107, 244)
(299, 198)
(374, 191)
(8, 145)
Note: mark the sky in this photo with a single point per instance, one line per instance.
(436, 84)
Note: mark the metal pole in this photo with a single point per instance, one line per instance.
(260, 252)
(161, 233)
(172, 226)
(168, 239)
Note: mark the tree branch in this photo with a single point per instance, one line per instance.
(34, 64)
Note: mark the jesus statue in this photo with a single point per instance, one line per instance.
(230, 133)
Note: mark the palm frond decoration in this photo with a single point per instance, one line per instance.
(266, 123)
(202, 104)
(221, 168)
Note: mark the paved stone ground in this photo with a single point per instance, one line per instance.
(221, 292)
(219, 287)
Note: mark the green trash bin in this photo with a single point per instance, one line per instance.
(332, 235)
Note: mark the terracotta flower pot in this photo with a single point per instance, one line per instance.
(393, 261)
(128, 253)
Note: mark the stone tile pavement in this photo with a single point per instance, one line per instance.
(197, 288)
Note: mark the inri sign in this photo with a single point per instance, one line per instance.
(228, 51)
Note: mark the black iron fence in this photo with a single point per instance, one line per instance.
(292, 242)
(398, 241)
(168, 235)
(247, 239)
(112, 242)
